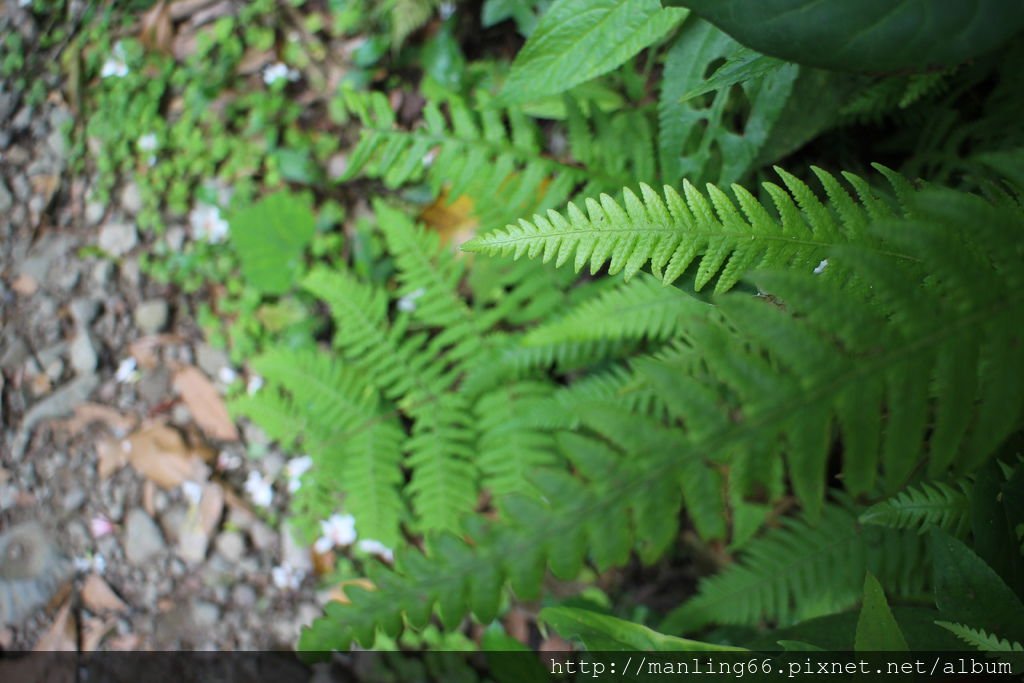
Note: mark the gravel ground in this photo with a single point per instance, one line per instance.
(121, 552)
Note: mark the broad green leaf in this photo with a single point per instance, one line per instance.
(600, 632)
(968, 591)
(877, 629)
(577, 40)
(271, 236)
(865, 35)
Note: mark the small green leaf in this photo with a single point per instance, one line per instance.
(970, 592)
(270, 237)
(877, 629)
(600, 632)
(577, 40)
(865, 35)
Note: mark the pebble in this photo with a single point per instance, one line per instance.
(83, 355)
(211, 360)
(73, 499)
(118, 239)
(151, 316)
(94, 212)
(6, 200)
(243, 595)
(142, 537)
(231, 546)
(131, 198)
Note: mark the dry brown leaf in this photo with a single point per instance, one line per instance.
(25, 285)
(160, 454)
(157, 30)
(253, 60)
(94, 630)
(211, 507)
(129, 642)
(205, 404)
(323, 563)
(200, 524)
(61, 636)
(110, 457)
(337, 593)
(87, 413)
(99, 597)
(45, 184)
(453, 221)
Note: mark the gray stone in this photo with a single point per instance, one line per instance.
(151, 316)
(101, 273)
(83, 355)
(6, 200)
(172, 520)
(73, 499)
(205, 615)
(131, 198)
(211, 360)
(94, 212)
(142, 538)
(231, 546)
(84, 311)
(154, 386)
(175, 237)
(118, 239)
(263, 537)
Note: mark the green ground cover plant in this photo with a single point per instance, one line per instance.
(727, 283)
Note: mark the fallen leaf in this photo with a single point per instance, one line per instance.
(323, 563)
(87, 413)
(144, 349)
(183, 9)
(337, 593)
(200, 523)
(157, 30)
(45, 184)
(205, 404)
(99, 597)
(60, 637)
(253, 60)
(160, 454)
(93, 631)
(110, 457)
(211, 507)
(129, 642)
(25, 285)
(453, 221)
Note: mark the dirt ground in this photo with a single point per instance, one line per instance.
(124, 522)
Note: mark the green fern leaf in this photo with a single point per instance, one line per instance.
(981, 639)
(677, 230)
(920, 507)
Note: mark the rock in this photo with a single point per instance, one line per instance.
(6, 200)
(231, 546)
(73, 499)
(175, 237)
(211, 360)
(142, 538)
(131, 198)
(292, 553)
(151, 316)
(101, 273)
(154, 386)
(118, 239)
(94, 212)
(84, 311)
(83, 355)
(243, 596)
(172, 521)
(263, 537)
(205, 615)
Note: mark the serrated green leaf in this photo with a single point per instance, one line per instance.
(877, 629)
(600, 632)
(577, 40)
(865, 35)
(270, 237)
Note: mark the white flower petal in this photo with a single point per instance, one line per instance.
(126, 370)
(820, 268)
(376, 548)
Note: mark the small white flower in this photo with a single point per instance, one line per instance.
(116, 64)
(259, 489)
(254, 384)
(377, 548)
(820, 268)
(207, 224)
(89, 563)
(295, 468)
(446, 10)
(192, 491)
(287, 577)
(100, 526)
(277, 71)
(228, 461)
(338, 531)
(429, 157)
(227, 375)
(126, 371)
(407, 304)
(148, 142)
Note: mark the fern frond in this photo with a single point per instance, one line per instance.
(981, 639)
(477, 154)
(356, 448)
(639, 309)
(801, 570)
(921, 507)
(673, 231)
(509, 450)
